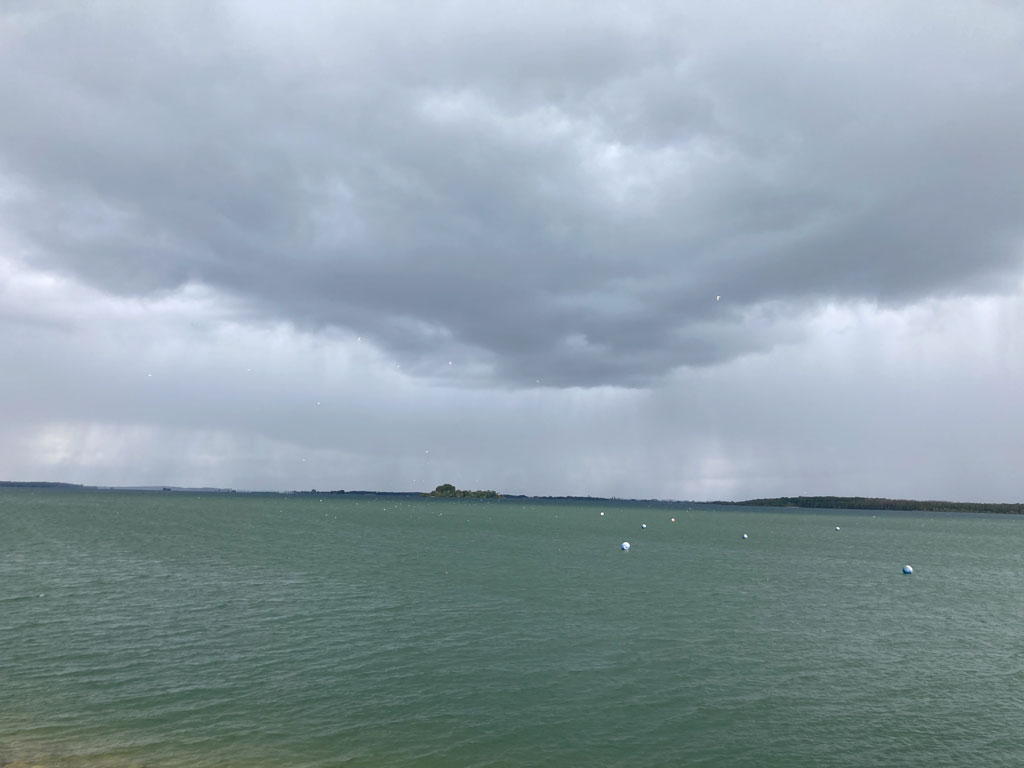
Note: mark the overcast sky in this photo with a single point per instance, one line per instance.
(647, 249)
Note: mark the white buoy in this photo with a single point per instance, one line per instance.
(643, 525)
(673, 519)
(625, 546)
(744, 535)
(602, 514)
(837, 527)
(908, 570)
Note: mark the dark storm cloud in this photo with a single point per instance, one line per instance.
(556, 195)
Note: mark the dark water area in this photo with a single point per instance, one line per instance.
(164, 629)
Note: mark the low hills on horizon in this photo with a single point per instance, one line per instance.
(449, 491)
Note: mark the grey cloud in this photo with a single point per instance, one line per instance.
(922, 404)
(556, 195)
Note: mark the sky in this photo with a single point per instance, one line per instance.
(676, 250)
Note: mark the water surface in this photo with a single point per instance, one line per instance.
(167, 629)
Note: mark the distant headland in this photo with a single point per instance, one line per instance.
(449, 491)
(867, 502)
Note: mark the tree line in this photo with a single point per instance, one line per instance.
(866, 502)
(449, 491)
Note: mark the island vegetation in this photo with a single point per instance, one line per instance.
(867, 502)
(449, 491)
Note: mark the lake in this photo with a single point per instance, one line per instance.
(176, 629)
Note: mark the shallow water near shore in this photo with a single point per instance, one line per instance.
(167, 629)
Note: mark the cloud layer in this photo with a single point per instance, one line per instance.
(678, 250)
(557, 195)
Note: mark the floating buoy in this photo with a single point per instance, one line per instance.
(744, 535)
(643, 525)
(625, 546)
(673, 519)
(837, 527)
(602, 514)
(908, 570)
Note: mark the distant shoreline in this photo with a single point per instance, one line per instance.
(793, 502)
(876, 503)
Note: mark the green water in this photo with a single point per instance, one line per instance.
(235, 630)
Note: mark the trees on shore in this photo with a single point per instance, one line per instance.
(449, 491)
(863, 502)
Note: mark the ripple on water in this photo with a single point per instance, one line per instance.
(229, 632)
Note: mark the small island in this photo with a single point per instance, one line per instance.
(449, 491)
